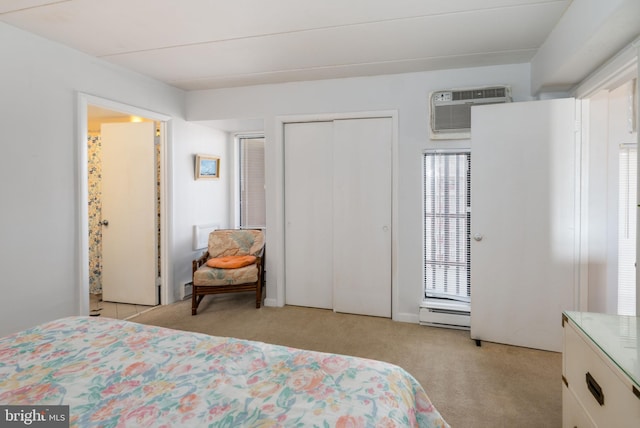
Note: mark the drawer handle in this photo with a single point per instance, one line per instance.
(595, 389)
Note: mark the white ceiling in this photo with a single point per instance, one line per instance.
(202, 44)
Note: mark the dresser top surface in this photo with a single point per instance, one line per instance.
(618, 336)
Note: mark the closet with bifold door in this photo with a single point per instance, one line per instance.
(337, 209)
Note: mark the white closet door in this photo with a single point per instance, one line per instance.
(523, 213)
(308, 214)
(362, 216)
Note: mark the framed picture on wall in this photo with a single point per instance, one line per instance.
(207, 167)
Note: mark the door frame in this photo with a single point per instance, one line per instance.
(82, 176)
(623, 66)
(278, 234)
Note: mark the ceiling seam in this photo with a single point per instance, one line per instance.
(53, 3)
(240, 75)
(328, 27)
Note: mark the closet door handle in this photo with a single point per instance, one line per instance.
(595, 389)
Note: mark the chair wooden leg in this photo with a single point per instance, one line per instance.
(195, 301)
(259, 294)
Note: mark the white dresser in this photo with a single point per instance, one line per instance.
(600, 370)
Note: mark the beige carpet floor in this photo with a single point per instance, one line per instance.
(488, 386)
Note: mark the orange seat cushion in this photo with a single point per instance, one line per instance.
(231, 262)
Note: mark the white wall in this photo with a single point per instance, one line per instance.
(197, 202)
(39, 224)
(407, 94)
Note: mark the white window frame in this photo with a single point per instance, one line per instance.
(238, 181)
(439, 291)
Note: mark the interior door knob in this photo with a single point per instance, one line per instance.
(105, 222)
(478, 237)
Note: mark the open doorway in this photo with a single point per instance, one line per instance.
(117, 280)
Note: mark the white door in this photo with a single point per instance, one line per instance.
(524, 227)
(308, 214)
(129, 214)
(362, 216)
(338, 215)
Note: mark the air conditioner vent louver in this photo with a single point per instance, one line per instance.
(451, 117)
(451, 109)
(462, 95)
(479, 94)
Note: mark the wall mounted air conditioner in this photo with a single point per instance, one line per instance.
(445, 313)
(451, 109)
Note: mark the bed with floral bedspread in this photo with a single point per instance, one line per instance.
(120, 373)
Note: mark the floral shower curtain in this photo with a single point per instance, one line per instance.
(95, 215)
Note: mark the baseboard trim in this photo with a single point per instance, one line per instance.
(407, 317)
(270, 302)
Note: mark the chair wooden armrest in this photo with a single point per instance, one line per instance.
(195, 264)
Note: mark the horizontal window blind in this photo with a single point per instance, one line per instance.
(447, 218)
(627, 198)
(252, 195)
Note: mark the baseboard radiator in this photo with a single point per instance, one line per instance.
(445, 313)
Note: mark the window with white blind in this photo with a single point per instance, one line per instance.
(627, 197)
(447, 220)
(252, 204)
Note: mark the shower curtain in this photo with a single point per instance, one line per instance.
(95, 215)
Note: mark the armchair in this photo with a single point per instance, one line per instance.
(234, 262)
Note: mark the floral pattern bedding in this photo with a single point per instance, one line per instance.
(119, 373)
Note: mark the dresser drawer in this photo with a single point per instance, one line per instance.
(573, 414)
(599, 389)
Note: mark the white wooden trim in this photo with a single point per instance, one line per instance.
(166, 272)
(82, 179)
(637, 46)
(124, 108)
(620, 68)
(234, 207)
(582, 161)
(167, 295)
